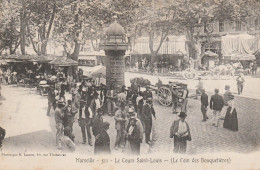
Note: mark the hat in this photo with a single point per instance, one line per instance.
(105, 124)
(227, 87)
(131, 110)
(82, 101)
(61, 102)
(69, 101)
(96, 93)
(149, 100)
(122, 104)
(182, 114)
(130, 102)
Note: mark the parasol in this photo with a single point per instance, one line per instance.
(63, 61)
(99, 72)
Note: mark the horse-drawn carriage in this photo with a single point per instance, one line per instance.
(43, 88)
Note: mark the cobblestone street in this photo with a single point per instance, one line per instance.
(205, 137)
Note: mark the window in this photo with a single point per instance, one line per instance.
(221, 26)
(238, 26)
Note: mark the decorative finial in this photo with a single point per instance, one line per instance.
(115, 18)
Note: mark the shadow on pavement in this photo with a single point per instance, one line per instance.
(36, 141)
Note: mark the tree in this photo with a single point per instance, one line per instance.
(9, 34)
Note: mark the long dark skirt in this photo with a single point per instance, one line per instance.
(231, 121)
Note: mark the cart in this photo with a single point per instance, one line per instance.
(165, 92)
(43, 88)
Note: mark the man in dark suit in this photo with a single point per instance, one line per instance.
(216, 103)
(204, 104)
(180, 131)
(147, 93)
(69, 113)
(102, 143)
(51, 100)
(85, 117)
(148, 112)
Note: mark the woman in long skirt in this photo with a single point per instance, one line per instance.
(231, 121)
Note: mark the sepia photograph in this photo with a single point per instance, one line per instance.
(129, 84)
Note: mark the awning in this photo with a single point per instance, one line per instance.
(239, 47)
(63, 62)
(239, 57)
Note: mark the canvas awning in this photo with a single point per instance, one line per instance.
(174, 45)
(239, 47)
(63, 61)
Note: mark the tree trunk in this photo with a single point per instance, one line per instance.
(22, 32)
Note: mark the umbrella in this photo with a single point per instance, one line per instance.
(63, 61)
(99, 72)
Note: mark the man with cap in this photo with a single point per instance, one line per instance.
(120, 119)
(204, 104)
(148, 112)
(216, 104)
(85, 119)
(180, 132)
(69, 114)
(59, 116)
(102, 142)
(51, 100)
(226, 98)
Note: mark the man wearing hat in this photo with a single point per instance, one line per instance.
(147, 93)
(120, 119)
(204, 104)
(175, 98)
(85, 119)
(59, 116)
(240, 83)
(131, 114)
(180, 132)
(121, 97)
(129, 105)
(51, 100)
(69, 113)
(148, 112)
(102, 142)
(199, 87)
(216, 104)
(95, 103)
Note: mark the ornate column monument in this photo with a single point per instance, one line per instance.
(114, 46)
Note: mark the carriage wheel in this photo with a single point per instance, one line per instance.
(165, 96)
(189, 74)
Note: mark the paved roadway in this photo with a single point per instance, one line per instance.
(207, 138)
(23, 114)
(28, 129)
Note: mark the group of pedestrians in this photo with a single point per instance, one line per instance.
(223, 108)
(132, 111)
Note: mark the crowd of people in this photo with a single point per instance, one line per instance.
(87, 103)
